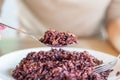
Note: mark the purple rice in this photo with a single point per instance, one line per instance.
(55, 38)
(118, 73)
(59, 64)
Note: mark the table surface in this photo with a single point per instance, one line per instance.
(13, 44)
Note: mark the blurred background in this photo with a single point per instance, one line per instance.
(96, 23)
(9, 13)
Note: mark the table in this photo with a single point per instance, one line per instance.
(12, 44)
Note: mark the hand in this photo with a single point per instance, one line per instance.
(1, 28)
(114, 33)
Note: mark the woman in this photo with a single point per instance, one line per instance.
(85, 18)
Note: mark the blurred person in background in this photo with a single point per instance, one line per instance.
(85, 18)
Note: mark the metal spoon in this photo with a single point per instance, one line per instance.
(32, 36)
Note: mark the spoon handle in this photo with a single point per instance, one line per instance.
(2, 24)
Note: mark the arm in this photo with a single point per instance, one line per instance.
(113, 24)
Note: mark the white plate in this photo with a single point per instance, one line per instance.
(9, 61)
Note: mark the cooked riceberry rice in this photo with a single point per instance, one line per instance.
(58, 65)
(55, 38)
(118, 73)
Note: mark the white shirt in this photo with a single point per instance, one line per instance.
(82, 17)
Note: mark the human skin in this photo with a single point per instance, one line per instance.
(113, 30)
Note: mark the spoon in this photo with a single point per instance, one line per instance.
(32, 36)
(67, 38)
